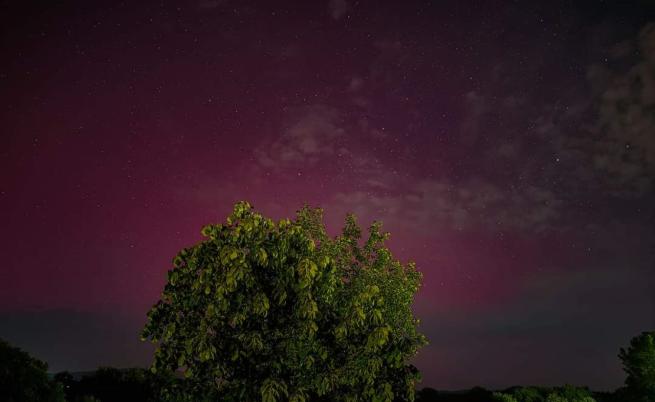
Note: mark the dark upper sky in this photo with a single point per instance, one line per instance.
(509, 148)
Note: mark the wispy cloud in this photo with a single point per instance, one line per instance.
(311, 136)
(426, 204)
(623, 142)
(546, 152)
(210, 4)
(338, 8)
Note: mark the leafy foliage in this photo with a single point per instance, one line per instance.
(24, 378)
(566, 393)
(639, 364)
(272, 311)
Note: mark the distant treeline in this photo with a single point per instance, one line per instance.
(140, 385)
(25, 379)
(136, 384)
(566, 393)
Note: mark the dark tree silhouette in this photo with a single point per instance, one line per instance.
(566, 393)
(109, 384)
(639, 364)
(24, 378)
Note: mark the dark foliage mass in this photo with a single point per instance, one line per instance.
(639, 364)
(110, 384)
(516, 394)
(24, 378)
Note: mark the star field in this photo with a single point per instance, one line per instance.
(508, 147)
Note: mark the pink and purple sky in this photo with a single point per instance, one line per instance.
(508, 147)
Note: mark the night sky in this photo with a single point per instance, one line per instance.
(509, 148)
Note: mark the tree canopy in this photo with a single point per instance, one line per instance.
(639, 365)
(24, 378)
(271, 311)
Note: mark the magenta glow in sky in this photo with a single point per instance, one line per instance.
(505, 146)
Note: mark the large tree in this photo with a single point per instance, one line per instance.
(271, 311)
(639, 364)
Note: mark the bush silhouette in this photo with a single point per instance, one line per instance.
(24, 378)
(566, 393)
(109, 384)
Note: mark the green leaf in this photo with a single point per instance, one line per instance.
(221, 311)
